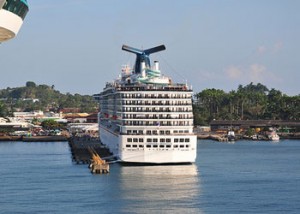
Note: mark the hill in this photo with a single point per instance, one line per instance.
(42, 97)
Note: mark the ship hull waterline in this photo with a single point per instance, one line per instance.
(115, 143)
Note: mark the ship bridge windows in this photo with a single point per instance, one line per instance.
(18, 7)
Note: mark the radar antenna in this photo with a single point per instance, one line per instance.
(142, 55)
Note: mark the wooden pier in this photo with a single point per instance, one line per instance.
(98, 166)
(80, 149)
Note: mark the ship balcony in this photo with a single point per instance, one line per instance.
(149, 87)
(155, 124)
(153, 110)
(146, 96)
(160, 117)
(155, 104)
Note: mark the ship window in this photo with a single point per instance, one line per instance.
(148, 132)
(181, 140)
(135, 140)
(187, 140)
(129, 140)
(162, 140)
(168, 132)
(149, 140)
(141, 140)
(134, 146)
(168, 140)
(154, 146)
(162, 132)
(128, 145)
(148, 146)
(161, 146)
(155, 140)
(17, 7)
(175, 146)
(187, 146)
(176, 140)
(140, 131)
(141, 146)
(175, 131)
(128, 131)
(181, 146)
(168, 146)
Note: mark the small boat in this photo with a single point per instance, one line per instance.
(274, 137)
(231, 136)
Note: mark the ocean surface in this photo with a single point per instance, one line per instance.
(244, 177)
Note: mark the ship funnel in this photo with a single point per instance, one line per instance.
(142, 56)
(156, 65)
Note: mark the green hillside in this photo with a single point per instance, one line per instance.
(42, 97)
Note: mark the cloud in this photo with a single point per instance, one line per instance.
(233, 72)
(257, 72)
(251, 73)
(277, 47)
(274, 48)
(261, 49)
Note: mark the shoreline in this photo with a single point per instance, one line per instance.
(203, 135)
(222, 137)
(55, 138)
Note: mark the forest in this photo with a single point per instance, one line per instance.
(249, 102)
(33, 97)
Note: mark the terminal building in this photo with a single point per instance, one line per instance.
(12, 14)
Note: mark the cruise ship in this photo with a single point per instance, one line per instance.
(146, 118)
(12, 14)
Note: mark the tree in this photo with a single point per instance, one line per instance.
(3, 110)
(50, 124)
(30, 84)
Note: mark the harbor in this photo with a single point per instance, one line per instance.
(222, 173)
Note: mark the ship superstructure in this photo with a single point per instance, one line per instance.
(146, 118)
(12, 14)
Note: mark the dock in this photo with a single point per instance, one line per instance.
(98, 165)
(80, 147)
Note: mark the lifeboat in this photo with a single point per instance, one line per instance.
(12, 15)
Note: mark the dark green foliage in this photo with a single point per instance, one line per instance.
(250, 102)
(50, 125)
(42, 97)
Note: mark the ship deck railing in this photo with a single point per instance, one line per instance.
(152, 88)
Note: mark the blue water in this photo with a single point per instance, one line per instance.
(245, 177)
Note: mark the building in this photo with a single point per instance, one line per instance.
(243, 125)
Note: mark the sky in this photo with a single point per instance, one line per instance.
(75, 45)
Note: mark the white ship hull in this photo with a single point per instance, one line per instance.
(117, 144)
(145, 117)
